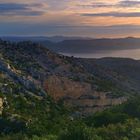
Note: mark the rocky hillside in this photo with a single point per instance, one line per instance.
(30, 70)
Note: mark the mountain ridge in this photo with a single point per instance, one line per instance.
(69, 79)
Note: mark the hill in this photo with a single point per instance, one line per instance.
(78, 46)
(89, 85)
(70, 80)
(43, 93)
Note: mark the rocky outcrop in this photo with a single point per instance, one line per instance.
(1, 105)
(97, 102)
(80, 95)
(62, 87)
(28, 81)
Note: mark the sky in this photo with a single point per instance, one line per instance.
(87, 18)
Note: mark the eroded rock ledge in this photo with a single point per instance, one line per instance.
(80, 95)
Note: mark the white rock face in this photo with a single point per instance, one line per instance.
(1, 105)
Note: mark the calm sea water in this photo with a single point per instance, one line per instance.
(132, 53)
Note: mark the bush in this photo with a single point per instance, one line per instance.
(106, 117)
(78, 131)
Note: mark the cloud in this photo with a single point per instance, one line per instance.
(113, 14)
(98, 5)
(51, 30)
(129, 3)
(20, 9)
(121, 4)
(47, 17)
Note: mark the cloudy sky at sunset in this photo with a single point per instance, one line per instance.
(93, 18)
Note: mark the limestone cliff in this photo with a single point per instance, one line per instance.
(80, 95)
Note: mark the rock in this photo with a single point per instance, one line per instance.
(1, 105)
(80, 95)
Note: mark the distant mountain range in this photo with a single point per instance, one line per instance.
(79, 45)
(54, 39)
(93, 45)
